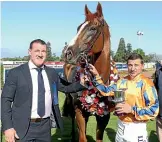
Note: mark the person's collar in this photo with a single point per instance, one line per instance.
(136, 78)
(33, 66)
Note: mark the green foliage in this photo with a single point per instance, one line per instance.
(49, 52)
(25, 58)
(51, 56)
(112, 53)
(121, 52)
(140, 51)
(128, 50)
(62, 56)
(148, 58)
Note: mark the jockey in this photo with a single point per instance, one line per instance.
(141, 101)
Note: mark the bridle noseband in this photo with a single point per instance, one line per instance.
(87, 54)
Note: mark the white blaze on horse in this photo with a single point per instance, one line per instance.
(90, 45)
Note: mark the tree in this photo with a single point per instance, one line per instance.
(128, 50)
(62, 54)
(148, 58)
(112, 53)
(140, 51)
(121, 52)
(26, 58)
(49, 52)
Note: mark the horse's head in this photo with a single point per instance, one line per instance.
(89, 38)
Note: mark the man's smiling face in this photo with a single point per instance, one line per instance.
(38, 54)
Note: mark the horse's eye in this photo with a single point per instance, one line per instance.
(92, 28)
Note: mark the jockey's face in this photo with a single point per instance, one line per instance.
(38, 54)
(135, 67)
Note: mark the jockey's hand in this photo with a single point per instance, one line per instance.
(83, 80)
(123, 108)
(93, 70)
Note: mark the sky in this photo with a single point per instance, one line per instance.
(57, 22)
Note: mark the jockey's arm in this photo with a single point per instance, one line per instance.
(151, 108)
(102, 88)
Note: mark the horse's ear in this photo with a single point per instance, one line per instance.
(99, 10)
(87, 12)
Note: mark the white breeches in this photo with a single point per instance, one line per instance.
(131, 132)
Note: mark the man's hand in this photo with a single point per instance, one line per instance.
(83, 80)
(93, 70)
(10, 135)
(123, 108)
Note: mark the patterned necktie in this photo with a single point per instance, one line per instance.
(41, 94)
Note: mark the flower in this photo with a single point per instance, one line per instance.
(84, 93)
(96, 100)
(93, 95)
(102, 104)
(91, 100)
(82, 99)
(100, 111)
(92, 91)
(93, 108)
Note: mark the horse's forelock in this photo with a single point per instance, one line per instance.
(90, 17)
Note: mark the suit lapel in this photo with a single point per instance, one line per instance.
(53, 86)
(50, 80)
(27, 75)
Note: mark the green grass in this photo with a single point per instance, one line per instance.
(109, 134)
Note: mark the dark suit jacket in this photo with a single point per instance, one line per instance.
(158, 86)
(17, 98)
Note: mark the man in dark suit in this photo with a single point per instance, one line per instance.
(158, 85)
(30, 96)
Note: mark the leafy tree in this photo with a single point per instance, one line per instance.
(12, 59)
(26, 58)
(49, 52)
(128, 50)
(148, 58)
(121, 52)
(112, 53)
(62, 57)
(55, 58)
(140, 51)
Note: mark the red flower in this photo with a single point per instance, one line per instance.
(86, 106)
(100, 111)
(92, 91)
(84, 93)
(82, 99)
(96, 100)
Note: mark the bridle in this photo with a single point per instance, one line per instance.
(87, 54)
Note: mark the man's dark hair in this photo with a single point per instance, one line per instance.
(135, 56)
(37, 41)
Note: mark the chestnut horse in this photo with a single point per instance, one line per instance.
(92, 42)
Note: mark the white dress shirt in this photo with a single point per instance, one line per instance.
(48, 99)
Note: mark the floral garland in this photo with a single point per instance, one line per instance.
(90, 99)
